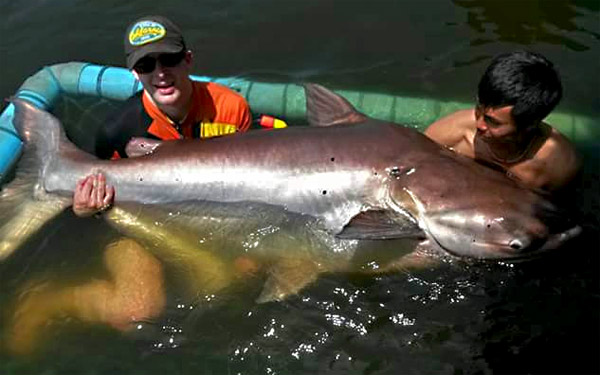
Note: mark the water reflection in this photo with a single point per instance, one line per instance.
(527, 22)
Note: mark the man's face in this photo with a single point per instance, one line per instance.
(496, 124)
(165, 77)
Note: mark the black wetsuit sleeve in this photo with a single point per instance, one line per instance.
(127, 121)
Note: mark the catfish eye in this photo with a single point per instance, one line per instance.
(516, 244)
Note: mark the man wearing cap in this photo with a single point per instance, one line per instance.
(170, 106)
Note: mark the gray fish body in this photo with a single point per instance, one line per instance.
(322, 172)
(358, 178)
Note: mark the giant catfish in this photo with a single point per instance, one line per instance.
(347, 179)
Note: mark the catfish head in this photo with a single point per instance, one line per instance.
(491, 233)
(489, 226)
(426, 190)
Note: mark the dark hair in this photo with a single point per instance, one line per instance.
(525, 80)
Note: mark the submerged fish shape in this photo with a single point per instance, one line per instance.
(351, 177)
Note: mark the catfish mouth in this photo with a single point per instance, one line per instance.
(513, 251)
(502, 238)
(555, 241)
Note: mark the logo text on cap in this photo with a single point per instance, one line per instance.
(145, 32)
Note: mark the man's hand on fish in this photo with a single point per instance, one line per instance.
(92, 196)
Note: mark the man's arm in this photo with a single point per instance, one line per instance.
(451, 129)
(554, 166)
(91, 194)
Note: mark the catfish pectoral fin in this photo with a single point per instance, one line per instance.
(420, 259)
(196, 265)
(288, 277)
(26, 218)
(380, 225)
(140, 146)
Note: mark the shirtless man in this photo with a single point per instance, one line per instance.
(505, 130)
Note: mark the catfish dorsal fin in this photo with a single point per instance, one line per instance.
(325, 108)
(140, 146)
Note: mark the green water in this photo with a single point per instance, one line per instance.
(537, 317)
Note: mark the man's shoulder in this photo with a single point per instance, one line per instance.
(127, 120)
(219, 92)
(129, 114)
(226, 105)
(463, 119)
(557, 160)
(133, 104)
(454, 128)
(558, 148)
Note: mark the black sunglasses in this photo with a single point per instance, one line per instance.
(147, 64)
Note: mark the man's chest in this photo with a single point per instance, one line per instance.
(526, 170)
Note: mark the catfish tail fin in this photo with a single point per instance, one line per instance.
(24, 204)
